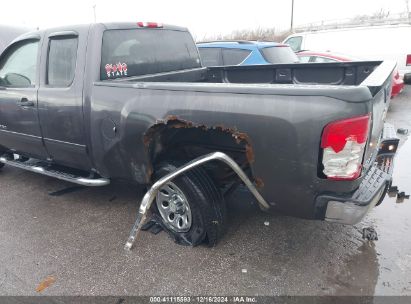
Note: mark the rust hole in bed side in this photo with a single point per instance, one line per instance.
(173, 122)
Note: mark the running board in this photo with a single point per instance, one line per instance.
(42, 168)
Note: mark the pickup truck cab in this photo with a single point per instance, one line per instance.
(130, 101)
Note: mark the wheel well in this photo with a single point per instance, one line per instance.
(181, 140)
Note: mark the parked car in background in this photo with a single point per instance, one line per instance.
(220, 53)
(319, 57)
(8, 33)
(387, 42)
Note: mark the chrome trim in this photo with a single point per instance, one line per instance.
(350, 213)
(20, 134)
(176, 213)
(63, 142)
(152, 192)
(63, 34)
(90, 182)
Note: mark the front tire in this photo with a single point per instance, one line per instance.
(191, 208)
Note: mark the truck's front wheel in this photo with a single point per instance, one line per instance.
(191, 207)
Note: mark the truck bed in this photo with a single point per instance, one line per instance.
(283, 117)
(339, 73)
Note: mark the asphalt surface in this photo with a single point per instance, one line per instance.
(72, 244)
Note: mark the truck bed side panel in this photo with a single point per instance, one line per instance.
(284, 130)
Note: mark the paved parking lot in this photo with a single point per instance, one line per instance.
(75, 242)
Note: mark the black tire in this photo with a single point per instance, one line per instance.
(387, 188)
(407, 78)
(1, 165)
(207, 206)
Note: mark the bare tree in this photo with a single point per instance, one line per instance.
(257, 34)
(376, 16)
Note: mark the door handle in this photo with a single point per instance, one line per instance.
(24, 102)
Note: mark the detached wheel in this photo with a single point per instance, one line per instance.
(190, 207)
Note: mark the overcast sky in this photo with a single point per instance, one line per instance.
(205, 17)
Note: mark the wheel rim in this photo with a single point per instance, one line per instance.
(174, 207)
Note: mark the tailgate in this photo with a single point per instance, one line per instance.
(379, 83)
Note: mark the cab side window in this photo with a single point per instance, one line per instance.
(61, 61)
(18, 66)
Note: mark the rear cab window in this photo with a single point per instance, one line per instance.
(279, 54)
(135, 52)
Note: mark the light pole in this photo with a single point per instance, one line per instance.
(94, 11)
(292, 15)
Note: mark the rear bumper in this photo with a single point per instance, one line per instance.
(351, 209)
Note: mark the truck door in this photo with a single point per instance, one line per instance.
(19, 125)
(61, 98)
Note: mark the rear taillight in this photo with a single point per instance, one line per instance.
(343, 144)
(149, 24)
(408, 59)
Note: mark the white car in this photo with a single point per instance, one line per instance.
(386, 42)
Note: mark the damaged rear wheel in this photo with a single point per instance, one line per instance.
(191, 207)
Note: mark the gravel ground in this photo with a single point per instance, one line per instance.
(73, 243)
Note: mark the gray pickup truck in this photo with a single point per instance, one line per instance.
(131, 101)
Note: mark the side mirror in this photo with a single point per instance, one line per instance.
(16, 80)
